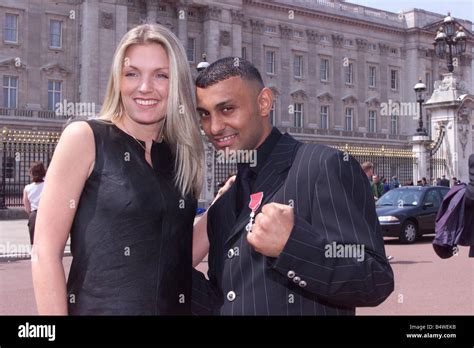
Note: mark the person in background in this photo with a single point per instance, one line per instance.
(368, 168)
(394, 183)
(424, 182)
(386, 185)
(377, 187)
(455, 181)
(32, 194)
(444, 182)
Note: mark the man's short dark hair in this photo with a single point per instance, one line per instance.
(226, 68)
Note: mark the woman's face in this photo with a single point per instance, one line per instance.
(144, 83)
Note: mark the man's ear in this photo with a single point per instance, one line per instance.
(265, 101)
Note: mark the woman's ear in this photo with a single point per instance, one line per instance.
(265, 101)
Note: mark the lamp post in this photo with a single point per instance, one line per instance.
(202, 65)
(420, 88)
(450, 42)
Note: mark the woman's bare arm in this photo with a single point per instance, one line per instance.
(26, 202)
(200, 239)
(72, 163)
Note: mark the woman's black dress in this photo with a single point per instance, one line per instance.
(131, 238)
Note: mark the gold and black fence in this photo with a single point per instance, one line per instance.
(18, 150)
(388, 161)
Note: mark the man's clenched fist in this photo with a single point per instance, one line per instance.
(272, 229)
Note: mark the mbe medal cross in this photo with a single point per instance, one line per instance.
(255, 201)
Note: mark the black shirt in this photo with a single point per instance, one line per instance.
(246, 170)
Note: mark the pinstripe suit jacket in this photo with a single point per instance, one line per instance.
(332, 203)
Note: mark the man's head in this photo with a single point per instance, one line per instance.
(368, 168)
(375, 179)
(233, 104)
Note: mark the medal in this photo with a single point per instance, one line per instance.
(255, 201)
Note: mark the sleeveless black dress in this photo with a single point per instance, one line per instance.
(131, 238)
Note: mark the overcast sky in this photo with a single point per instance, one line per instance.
(459, 8)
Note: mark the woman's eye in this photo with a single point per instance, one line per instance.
(162, 76)
(130, 74)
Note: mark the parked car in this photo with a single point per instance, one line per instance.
(410, 212)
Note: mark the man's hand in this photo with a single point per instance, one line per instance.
(224, 189)
(272, 229)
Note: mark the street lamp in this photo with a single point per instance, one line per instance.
(449, 43)
(420, 88)
(202, 65)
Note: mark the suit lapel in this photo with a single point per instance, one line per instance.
(269, 179)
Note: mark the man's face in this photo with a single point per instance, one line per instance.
(230, 115)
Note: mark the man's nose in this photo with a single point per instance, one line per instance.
(217, 125)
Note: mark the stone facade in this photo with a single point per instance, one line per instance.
(293, 38)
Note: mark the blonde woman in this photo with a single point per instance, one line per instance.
(125, 186)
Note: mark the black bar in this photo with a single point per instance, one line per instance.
(237, 330)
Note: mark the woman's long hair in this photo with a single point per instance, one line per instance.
(181, 129)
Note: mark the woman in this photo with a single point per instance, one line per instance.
(125, 186)
(32, 194)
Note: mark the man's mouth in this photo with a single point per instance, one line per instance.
(225, 141)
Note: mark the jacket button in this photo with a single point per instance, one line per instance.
(231, 296)
(230, 253)
(296, 279)
(291, 274)
(302, 284)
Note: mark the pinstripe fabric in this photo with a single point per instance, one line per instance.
(332, 203)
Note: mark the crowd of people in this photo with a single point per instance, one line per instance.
(381, 185)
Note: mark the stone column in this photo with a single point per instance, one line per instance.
(182, 10)
(90, 53)
(420, 149)
(152, 11)
(452, 107)
(258, 54)
(285, 75)
(237, 18)
(211, 17)
(337, 80)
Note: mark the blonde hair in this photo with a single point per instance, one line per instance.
(181, 129)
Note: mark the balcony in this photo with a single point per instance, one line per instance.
(23, 118)
(30, 114)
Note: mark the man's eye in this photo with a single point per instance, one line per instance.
(227, 109)
(203, 114)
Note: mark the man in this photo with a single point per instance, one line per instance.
(368, 168)
(455, 219)
(308, 202)
(444, 182)
(376, 187)
(394, 183)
